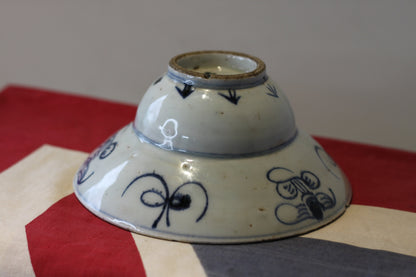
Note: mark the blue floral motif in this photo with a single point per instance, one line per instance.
(306, 203)
(161, 198)
(102, 152)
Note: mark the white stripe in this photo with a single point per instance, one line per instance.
(168, 258)
(28, 189)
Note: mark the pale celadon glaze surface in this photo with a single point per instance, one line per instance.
(213, 157)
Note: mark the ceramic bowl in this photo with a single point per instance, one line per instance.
(213, 156)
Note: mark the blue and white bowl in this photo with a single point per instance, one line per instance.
(213, 156)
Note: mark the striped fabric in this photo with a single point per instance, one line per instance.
(45, 231)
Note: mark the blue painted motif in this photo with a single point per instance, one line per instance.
(273, 91)
(161, 198)
(158, 80)
(327, 161)
(306, 203)
(102, 152)
(186, 91)
(232, 96)
(82, 174)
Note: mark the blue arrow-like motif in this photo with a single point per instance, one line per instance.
(186, 91)
(232, 96)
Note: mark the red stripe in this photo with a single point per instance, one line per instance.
(379, 176)
(30, 118)
(67, 240)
